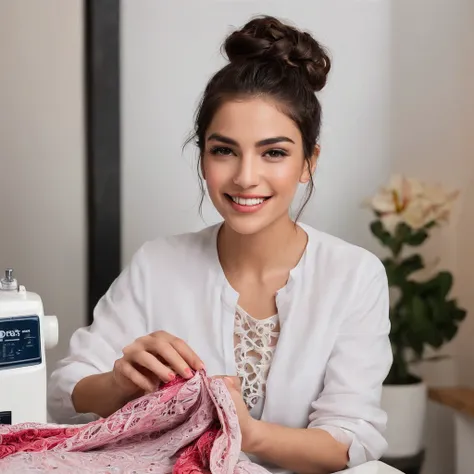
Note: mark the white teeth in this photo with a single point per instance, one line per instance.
(247, 202)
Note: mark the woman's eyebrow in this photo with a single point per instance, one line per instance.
(264, 142)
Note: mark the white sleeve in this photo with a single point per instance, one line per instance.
(349, 405)
(119, 318)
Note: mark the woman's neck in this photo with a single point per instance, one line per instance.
(277, 247)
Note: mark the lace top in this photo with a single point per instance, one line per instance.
(254, 345)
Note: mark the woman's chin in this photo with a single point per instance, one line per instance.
(249, 224)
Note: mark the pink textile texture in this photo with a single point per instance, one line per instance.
(185, 427)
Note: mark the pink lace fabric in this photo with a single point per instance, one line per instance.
(185, 427)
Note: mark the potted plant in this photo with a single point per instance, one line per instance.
(422, 312)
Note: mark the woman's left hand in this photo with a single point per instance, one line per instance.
(248, 425)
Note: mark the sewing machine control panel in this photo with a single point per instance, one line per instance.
(20, 342)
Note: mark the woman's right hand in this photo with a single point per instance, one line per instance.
(153, 359)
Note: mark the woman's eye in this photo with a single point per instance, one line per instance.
(276, 153)
(221, 150)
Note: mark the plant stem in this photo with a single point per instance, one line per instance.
(399, 371)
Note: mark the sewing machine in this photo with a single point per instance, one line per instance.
(25, 333)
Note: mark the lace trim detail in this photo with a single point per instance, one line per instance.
(254, 345)
(185, 427)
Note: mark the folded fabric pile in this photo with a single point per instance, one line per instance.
(185, 427)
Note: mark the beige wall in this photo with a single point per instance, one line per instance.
(42, 166)
(465, 286)
(432, 128)
(464, 232)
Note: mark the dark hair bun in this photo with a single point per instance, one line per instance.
(267, 38)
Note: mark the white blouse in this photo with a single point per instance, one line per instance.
(333, 350)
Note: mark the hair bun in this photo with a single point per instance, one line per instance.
(267, 38)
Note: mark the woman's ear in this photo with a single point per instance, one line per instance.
(310, 165)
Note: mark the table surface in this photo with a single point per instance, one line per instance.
(459, 398)
(373, 467)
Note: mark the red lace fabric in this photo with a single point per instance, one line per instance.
(186, 427)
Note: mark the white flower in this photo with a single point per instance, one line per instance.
(439, 201)
(412, 202)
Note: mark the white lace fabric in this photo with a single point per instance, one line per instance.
(255, 342)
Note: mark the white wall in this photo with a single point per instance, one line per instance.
(170, 50)
(42, 182)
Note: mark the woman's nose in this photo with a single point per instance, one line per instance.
(247, 173)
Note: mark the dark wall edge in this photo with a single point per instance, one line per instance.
(102, 92)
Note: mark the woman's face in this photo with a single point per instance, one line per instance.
(252, 163)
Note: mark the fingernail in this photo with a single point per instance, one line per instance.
(171, 376)
(188, 372)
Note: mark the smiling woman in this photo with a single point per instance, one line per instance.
(273, 306)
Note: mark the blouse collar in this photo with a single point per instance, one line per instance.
(231, 296)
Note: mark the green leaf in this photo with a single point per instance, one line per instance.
(410, 265)
(437, 308)
(444, 282)
(409, 289)
(459, 314)
(420, 325)
(380, 232)
(438, 287)
(417, 238)
(434, 337)
(455, 312)
(397, 273)
(450, 330)
(420, 313)
(416, 344)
